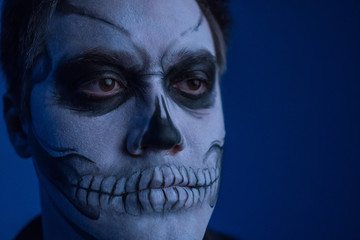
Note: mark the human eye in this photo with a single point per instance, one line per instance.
(92, 90)
(193, 89)
(193, 84)
(103, 86)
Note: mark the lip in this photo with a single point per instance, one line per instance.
(160, 189)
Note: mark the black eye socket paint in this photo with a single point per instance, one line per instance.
(95, 66)
(200, 65)
(73, 74)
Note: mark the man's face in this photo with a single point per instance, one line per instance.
(128, 126)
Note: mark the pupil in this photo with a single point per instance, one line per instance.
(107, 84)
(194, 84)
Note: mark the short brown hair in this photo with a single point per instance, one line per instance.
(24, 29)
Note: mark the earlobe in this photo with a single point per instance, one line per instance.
(16, 126)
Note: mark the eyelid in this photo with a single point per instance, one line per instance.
(99, 75)
(197, 74)
(91, 88)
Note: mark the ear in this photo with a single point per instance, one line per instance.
(16, 126)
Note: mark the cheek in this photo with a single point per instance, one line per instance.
(97, 138)
(102, 138)
(205, 126)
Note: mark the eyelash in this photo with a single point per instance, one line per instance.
(93, 88)
(199, 76)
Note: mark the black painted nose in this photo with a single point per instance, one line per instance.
(161, 133)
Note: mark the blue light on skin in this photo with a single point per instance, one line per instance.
(100, 149)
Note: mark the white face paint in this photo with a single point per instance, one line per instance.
(128, 125)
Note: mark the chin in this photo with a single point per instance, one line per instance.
(181, 210)
(187, 224)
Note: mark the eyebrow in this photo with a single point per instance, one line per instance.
(119, 59)
(187, 58)
(127, 62)
(69, 71)
(66, 8)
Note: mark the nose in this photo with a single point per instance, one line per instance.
(160, 133)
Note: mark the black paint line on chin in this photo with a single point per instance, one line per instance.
(66, 8)
(78, 230)
(194, 28)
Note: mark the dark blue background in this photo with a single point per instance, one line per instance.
(292, 160)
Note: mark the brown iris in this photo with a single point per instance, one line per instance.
(106, 84)
(103, 87)
(193, 84)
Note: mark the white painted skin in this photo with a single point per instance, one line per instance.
(109, 139)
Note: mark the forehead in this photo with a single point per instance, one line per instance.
(157, 27)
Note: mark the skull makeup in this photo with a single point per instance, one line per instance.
(127, 128)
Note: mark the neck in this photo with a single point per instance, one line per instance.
(55, 224)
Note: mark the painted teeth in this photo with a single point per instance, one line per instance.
(171, 198)
(157, 196)
(165, 176)
(118, 205)
(85, 181)
(190, 198)
(185, 175)
(201, 178)
(196, 195)
(178, 178)
(157, 178)
(82, 196)
(144, 199)
(132, 207)
(201, 194)
(168, 176)
(212, 174)
(181, 199)
(131, 183)
(159, 189)
(108, 184)
(93, 199)
(145, 179)
(120, 187)
(96, 183)
(207, 176)
(192, 177)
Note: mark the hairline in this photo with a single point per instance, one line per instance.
(38, 49)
